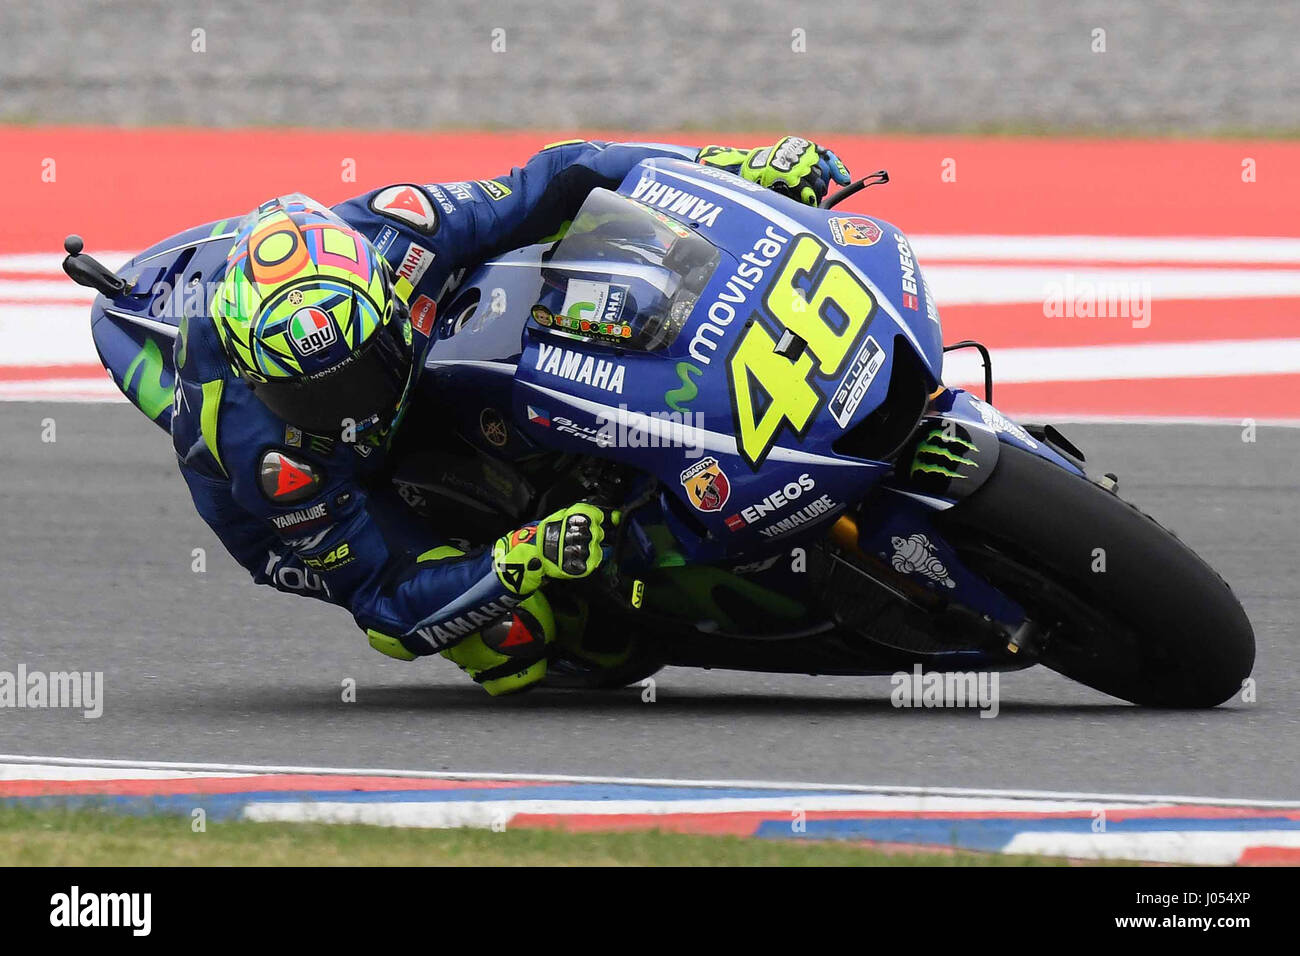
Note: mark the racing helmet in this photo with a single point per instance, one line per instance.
(307, 318)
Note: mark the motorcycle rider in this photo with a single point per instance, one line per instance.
(289, 396)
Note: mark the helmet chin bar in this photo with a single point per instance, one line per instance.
(354, 398)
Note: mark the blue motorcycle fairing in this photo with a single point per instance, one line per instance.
(738, 213)
(135, 332)
(585, 395)
(962, 405)
(902, 536)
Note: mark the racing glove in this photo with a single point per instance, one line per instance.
(565, 545)
(794, 167)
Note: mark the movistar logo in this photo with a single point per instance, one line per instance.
(150, 395)
(675, 398)
(937, 444)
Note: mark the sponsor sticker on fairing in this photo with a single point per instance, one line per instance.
(1000, 423)
(676, 202)
(907, 263)
(492, 425)
(853, 386)
(567, 426)
(706, 485)
(815, 510)
(580, 368)
(854, 231)
(593, 302)
(777, 500)
(931, 310)
(915, 555)
(735, 292)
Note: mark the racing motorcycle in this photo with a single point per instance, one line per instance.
(757, 385)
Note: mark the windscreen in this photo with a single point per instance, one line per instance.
(625, 274)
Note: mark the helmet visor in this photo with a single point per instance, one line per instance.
(367, 385)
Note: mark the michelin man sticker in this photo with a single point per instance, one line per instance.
(915, 555)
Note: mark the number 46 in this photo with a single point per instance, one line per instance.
(828, 318)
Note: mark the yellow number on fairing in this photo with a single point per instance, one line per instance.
(836, 293)
(792, 399)
(834, 296)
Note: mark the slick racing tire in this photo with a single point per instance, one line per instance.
(1126, 607)
(573, 675)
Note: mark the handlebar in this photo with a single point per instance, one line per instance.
(878, 178)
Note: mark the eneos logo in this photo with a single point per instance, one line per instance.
(311, 330)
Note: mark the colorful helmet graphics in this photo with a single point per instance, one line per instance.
(307, 316)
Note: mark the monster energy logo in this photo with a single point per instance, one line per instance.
(937, 444)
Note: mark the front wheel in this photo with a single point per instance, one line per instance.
(1126, 607)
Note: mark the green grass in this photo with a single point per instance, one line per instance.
(101, 838)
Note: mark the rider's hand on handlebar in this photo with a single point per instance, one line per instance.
(794, 166)
(564, 545)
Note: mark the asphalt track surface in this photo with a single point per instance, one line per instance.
(96, 537)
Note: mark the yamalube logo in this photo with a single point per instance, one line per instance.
(311, 330)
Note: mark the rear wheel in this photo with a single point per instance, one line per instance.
(1127, 608)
